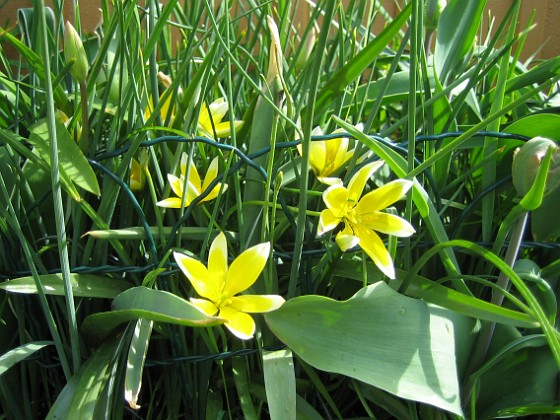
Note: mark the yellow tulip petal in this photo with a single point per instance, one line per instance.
(346, 239)
(215, 191)
(256, 303)
(329, 180)
(246, 268)
(240, 324)
(136, 179)
(211, 173)
(388, 223)
(317, 157)
(327, 221)
(336, 199)
(204, 123)
(199, 276)
(205, 306)
(194, 177)
(176, 184)
(358, 181)
(218, 109)
(372, 244)
(383, 196)
(217, 262)
(170, 203)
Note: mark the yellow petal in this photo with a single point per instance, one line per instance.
(214, 193)
(383, 196)
(358, 181)
(256, 303)
(194, 177)
(388, 223)
(336, 199)
(211, 173)
(176, 184)
(327, 221)
(318, 157)
(240, 324)
(205, 306)
(329, 180)
(136, 179)
(170, 203)
(217, 262)
(223, 129)
(346, 239)
(199, 276)
(246, 268)
(372, 244)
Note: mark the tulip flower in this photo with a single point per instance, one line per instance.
(218, 285)
(210, 120)
(194, 185)
(327, 156)
(362, 217)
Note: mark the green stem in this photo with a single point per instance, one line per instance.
(57, 196)
(84, 138)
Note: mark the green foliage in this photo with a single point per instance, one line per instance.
(86, 255)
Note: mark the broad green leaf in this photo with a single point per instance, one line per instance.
(537, 125)
(139, 233)
(155, 305)
(135, 362)
(523, 373)
(73, 164)
(456, 32)
(280, 384)
(14, 356)
(83, 285)
(360, 62)
(379, 337)
(432, 292)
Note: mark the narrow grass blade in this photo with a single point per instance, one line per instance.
(135, 362)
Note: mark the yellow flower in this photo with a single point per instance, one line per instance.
(219, 284)
(138, 172)
(194, 185)
(167, 110)
(210, 120)
(326, 157)
(362, 216)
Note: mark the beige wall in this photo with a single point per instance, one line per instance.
(545, 38)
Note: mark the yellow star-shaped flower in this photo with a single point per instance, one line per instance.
(327, 156)
(194, 185)
(362, 216)
(210, 120)
(219, 284)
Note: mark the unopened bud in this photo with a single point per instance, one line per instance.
(432, 13)
(75, 53)
(527, 160)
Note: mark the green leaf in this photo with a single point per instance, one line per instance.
(360, 62)
(155, 305)
(74, 166)
(135, 362)
(537, 74)
(401, 345)
(14, 356)
(537, 125)
(456, 32)
(280, 384)
(83, 285)
(82, 397)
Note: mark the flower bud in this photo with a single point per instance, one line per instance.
(526, 162)
(75, 53)
(432, 13)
